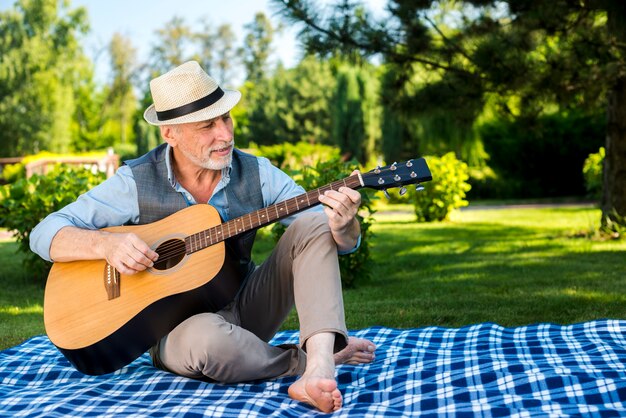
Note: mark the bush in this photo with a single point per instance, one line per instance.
(540, 157)
(592, 172)
(445, 192)
(356, 266)
(13, 172)
(24, 203)
(301, 154)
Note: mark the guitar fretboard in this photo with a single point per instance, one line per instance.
(265, 216)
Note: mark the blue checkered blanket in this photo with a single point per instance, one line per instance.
(479, 370)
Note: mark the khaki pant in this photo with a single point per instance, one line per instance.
(231, 345)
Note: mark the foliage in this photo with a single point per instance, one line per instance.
(120, 101)
(41, 64)
(289, 156)
(257, 47)
(540, 157)
(292, 105)
(533, 57)
(26, 202)
(613, 226)
(355, 267)
(445, 192)
(592, 171)
(13, 172)
(355, 111)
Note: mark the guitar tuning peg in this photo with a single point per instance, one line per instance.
(377, 170)
(419, 187)
(409, 163)
(386, 194)
(393, 166)
(402, 191)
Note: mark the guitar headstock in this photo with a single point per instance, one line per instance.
(397, 174)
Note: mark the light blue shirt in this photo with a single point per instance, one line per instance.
(114, 202)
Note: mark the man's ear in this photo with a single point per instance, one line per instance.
(168, 133)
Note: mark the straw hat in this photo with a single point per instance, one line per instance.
(187, 94)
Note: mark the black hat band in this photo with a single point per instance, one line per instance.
(194, 106)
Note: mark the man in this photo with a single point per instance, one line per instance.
(198, 164)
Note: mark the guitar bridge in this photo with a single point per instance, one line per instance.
(112, 281)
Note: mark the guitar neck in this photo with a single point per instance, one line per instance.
(265, 216)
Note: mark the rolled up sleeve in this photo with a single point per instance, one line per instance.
(111, 203)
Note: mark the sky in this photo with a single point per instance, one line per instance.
(138, 20)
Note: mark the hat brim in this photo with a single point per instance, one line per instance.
(223, 105)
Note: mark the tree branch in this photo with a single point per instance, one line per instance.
(448, 41)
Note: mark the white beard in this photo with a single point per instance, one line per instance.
(211, 164)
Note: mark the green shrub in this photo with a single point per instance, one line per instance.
(13, 172)
(24, 203)
(540, 157)
(592, 171)
(445, 192)
(356, 266)
(301, 154)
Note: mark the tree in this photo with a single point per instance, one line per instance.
(121, 101)
(170, 49)
(292, 105)
(226, 54)
(527, 55)
(257, 47)
(354, 111)
(41, 63)
(206, 43)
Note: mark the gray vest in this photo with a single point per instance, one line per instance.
(158, 199)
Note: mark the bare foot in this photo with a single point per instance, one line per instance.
(357, 351)
(322, 393)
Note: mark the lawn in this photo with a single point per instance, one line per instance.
(509, 266)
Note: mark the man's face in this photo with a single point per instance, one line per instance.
(208, 144)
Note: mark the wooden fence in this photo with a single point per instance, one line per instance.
(106, 163)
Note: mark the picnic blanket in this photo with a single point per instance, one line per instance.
(478, 370)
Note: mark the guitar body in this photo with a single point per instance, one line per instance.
(98, 333)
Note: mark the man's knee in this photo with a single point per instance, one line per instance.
(209, 332)
(198, 344)
(311, 223)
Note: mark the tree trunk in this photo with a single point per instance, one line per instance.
(614, 187)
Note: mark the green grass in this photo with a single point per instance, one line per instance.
(21, 299)
(509, 266)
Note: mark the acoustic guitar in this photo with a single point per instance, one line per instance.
(102, 320)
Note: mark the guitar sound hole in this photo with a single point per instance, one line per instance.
(171, 252)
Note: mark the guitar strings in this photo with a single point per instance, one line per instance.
(176, 248)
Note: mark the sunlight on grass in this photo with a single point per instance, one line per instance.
(510, 266)
(594, 295)
(19, 310)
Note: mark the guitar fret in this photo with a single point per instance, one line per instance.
(261, 217)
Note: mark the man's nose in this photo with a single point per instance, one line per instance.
(222, 129)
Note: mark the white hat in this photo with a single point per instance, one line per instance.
(187, 94)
